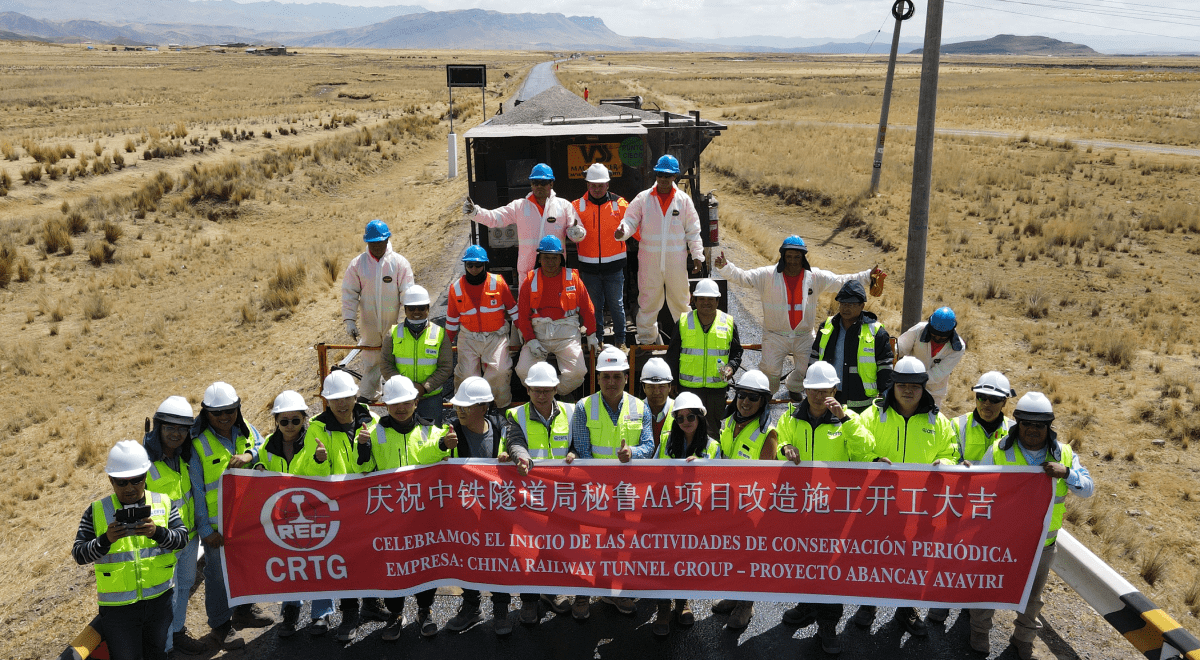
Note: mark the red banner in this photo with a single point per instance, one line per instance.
(831, 532)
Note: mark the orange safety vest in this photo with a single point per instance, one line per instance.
(570, 295)
(601, 221)
(489, 315)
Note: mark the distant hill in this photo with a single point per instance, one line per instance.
(5, 35)
(1008, 44)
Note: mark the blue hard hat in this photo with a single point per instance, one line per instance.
(541, 172)
(793, 242)
(943, 320)
(667, 164)
(475, 253)
(550, 245)
(377, 230)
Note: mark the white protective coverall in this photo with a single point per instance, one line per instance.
(779, 338)
(532, 225)
(667, 238)
(916, 342)
(371, 291)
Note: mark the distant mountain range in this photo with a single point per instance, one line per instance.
(1007, 44)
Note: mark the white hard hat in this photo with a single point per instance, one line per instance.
(597, 173)
(339, 385)
(820, 376)
(706, 289)
(995, 384)
(290, 401)
(689, 401)
(910, 370)
(1034, 407)
(175, 410)
(612, 359)
(541, 374)
(127, 459)
(220, 396)
(754, 380)
(398, 389)
(576, 233)
(415, 296)
(472, 391)
(656, 370)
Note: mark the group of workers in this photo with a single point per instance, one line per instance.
(849, 401)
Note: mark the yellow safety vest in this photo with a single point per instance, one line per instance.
(923, 438)
(214, 457)
(1011, 456)
(711, 450)
(542, 443)
(416, 357)
(703, 355)
(391, 449)
(177, 486)
(748, 444)
(135, 568)
(606, 436)
(304, 462)
(668, 413)
(341, 446)
(832, 442)
(867, 370)
(973, 441)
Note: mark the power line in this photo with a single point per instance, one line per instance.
(1063, 20)
(1102, 13)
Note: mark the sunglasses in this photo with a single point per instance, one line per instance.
(990, 399)
(689, 417)
(752, 397)
(940, 338)
(223, 413)
(121, 483)
(475, 264)
(1036, 425)
(174, 429)
(289, 422)
(535, 184)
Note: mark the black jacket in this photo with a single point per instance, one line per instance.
(463, 450)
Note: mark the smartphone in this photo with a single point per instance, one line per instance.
(132, 515)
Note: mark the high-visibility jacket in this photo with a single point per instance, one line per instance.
(416, 357)
(340, 446)
(177, 485)
(973, 440)
(552, 442)
(392, 449)
(867, 369)
(215, 458)
(1013, 456)
(712, 448)
(601, 221)
(372, 290)
(532, 224)
(748, 444)
(703, 355)
(606, 436)
(777, 302)
(135, 568)
(667, 237)
(925, 437)
(304, 462)
(833, 440)
(487, 314)
(569, 302)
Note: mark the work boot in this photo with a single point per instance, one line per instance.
(739, 618)
(346, 629)
(683, 612)
(557, 604)
(468, 615)
(865, 616)
(938, 614)
(501, 623)
(426, 623)
(981, 642)
(1024, 649)
(802, 615)
(186, 645)
(662, 621)
(319, 626)
(373, 610)
(251, 616)
(827, 635)
(911, 621)
(395, 625)
(529, 612)
(227, 636)
(724, 606)
(623, 605)
(581, 609)
(291, 616)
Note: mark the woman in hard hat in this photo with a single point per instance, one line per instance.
(133, 587)
(937, 344)
(168, 447)
(290, 451)
(417, 349)
(747, 434)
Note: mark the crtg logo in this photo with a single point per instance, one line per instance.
(300, 519)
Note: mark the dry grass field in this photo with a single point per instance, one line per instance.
(1071, 269)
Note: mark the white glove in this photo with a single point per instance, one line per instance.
(593, 342)
(576, 233)
(468, 207)
(352, 329)
(536, 351)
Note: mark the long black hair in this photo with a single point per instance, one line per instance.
(677, 439)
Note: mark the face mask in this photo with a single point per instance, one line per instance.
(416, 327)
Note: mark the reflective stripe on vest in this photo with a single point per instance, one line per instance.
(605, 247)
(748, 448)
(570, 298)
(489, 314)
(967, 423)
(135, 568)
(867, 370)
(177, 486)
(416, 358)
(543, 443)
(824, 443)
(606, 436)
(1011, 456)
(214, 458)
(701, 361)
(396, 459)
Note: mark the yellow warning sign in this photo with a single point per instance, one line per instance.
(581, 156)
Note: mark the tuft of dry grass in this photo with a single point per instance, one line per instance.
(100, 253)
(112, 231)
(96, 306)
(1117, 347)
(76, 223)
(1153, 564)
(1037, 305)
(331, 268)
(91, 451)
(283, 288)
(56, 236)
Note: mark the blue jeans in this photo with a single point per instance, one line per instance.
(320, 608)
(216, 601)
(185, 577)
(431, 407)
(607, 291)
